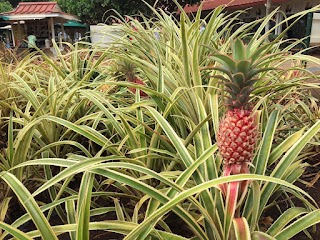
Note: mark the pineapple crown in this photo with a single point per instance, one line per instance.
(126, 68)
(242, 70)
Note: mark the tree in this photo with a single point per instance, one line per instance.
(14, 3)
(5, 6)
(97, 10)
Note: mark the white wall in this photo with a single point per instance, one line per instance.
(315, 30)
(104, 35)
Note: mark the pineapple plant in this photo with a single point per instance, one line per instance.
(238, 130)
(127, 69)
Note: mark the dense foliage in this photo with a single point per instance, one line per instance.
(98, 10)
(5, 6)
(14, 3)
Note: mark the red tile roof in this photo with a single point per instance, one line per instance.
(36, 8)
(211, 4)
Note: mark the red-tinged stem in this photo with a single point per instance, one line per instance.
(231, 205)
(234, 193)
(232, 169)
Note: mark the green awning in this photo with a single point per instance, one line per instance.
(4, 18)
(74, 24)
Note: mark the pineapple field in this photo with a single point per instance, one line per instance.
(192, 133)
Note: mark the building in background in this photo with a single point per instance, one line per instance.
(255, 9)
(45, 20)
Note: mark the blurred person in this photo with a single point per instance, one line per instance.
(32, 42)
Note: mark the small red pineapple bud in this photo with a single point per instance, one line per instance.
(133, 89)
